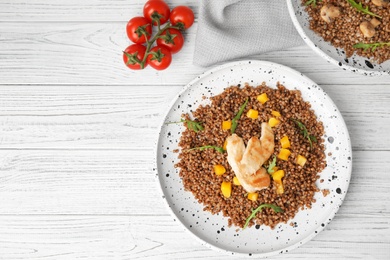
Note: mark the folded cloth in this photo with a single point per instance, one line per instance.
(230, 29)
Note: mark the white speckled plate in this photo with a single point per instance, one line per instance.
(332, 54)
(212, 229)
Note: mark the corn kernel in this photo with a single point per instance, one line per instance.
(236, 181)
(301, 160)
(219, 169)
(253, 196)
(285, 142)
(279, 188)
(273, 122)
(262, 98)
(284, 154)
(254, 114)
(226, 125)
(278, 175)
(275, 113)
(226, 188)
(224, 145)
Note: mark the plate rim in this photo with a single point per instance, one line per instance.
(206, 73)
(322, 54)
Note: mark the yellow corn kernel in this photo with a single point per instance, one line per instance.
(273, 122)
(275, 113)
(279, 188)
(224, 145)
(236, 181)
(285, 142)
(301, 160)
(284, 154)
(219, 169)
(226, 188)
(253, 196)
(254, 114)
(226, 125)
(278, 175)
(262, 98)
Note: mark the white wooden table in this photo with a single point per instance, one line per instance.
(77, 132)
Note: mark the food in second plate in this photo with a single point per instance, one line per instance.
(354, 25)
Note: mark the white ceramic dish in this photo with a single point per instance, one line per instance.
(332, 54)
(212, 229)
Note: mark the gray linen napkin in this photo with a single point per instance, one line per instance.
(230, 29)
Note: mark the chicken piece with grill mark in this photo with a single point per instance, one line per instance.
(247, 162)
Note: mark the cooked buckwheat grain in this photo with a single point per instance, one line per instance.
(196, 166)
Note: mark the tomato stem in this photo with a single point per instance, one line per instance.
(150, 42)
(158, 25)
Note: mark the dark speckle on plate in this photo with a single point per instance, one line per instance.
(369, 64)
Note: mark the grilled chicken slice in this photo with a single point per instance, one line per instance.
(247, 162)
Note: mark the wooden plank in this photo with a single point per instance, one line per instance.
(116, 117)
(91, 53)
(78, 182)
(159, 237)
(80, 11)
(109, 117)
(122, 182)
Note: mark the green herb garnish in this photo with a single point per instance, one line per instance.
(271, 166)
(312, 2)
(237, 117)
(259, 208)
(202, 148)
(193, 125)
(305, 133)
(372, 46)
(196, 126)
(360, 8)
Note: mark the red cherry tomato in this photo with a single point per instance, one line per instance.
(136, 26)
(182, 16)
(160, 58)
(172, 39)
(132, 54)
(156, 9)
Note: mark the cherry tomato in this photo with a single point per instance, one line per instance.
(132, 54)
(156, 9)
(172, 39)
(160, 58)
(182, 16)
(136, 26)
